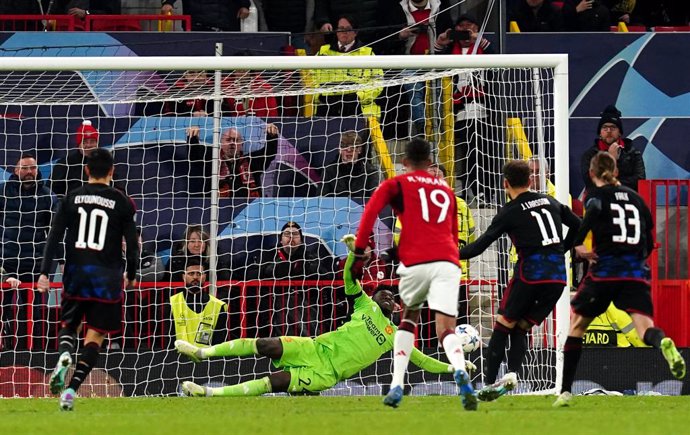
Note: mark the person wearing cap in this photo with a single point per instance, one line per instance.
(68, 172)
(610, 138)
(351, 175)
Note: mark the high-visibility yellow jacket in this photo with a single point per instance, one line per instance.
(196, 328)
(352, 76)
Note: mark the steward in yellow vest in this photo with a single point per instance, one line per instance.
(198, 317)
(347, 102)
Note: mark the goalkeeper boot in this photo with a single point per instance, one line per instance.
(194, 390)
(563, 400)
(675, 360)
(394, 397)
(57, 378)
(498, 389)
(189, 350)
(67, 399)
(465, 390)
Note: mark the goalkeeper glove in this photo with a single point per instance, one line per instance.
(357, 268)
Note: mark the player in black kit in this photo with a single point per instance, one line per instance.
(93, 220)
(534, 223)
(621, 226)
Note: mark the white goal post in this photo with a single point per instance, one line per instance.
(532, 89)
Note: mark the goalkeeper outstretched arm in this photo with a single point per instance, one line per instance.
(352, 287)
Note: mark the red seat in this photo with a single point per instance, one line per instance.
(671, 29)
(557, 5)
(633, 28)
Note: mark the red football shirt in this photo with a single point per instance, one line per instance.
(427, 209)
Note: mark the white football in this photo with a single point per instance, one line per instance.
(469, 337)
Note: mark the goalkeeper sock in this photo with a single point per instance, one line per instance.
(256, 387)
(571, 352)
(453, 347)
(518, 349)
(497, 349)
(87, 360)
(66, 340)
(402, 348)
(239, 347)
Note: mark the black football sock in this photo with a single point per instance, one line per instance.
(653, 337)
(518, 349)
(67, 339)
(497, 350)
(572, 352)
(87, 360)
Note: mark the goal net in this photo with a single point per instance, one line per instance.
(260, 166)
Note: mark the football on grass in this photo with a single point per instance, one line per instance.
(469, 337)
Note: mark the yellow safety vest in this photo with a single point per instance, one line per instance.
(465, 231)
(612, 328)
(195, 327)
(357, 76)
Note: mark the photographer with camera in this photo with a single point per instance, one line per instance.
(461, 39)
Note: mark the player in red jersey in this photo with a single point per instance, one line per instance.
(429, 270)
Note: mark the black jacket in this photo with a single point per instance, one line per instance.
(354, 180)
(285, 15)
(68, 173)
(547, 19)
(212, 14)
(304, 263)
(630, 165)
(25, 217)
(596, 19)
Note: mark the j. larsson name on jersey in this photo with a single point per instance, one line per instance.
(535, 203)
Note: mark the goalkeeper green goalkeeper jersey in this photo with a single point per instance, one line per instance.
(369, 334)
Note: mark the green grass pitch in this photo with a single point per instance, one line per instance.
(436, 415)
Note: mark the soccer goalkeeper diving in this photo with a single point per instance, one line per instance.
(310, 365)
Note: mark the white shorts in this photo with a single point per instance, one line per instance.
(438, 283)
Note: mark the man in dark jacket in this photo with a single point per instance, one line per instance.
(536, 16)
(212, 15)
(629, 159)
(350, 175)
(26, 210)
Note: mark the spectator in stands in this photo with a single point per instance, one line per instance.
(82, 8)
(288, 16)
(191, 81)
(586, 16)
(197, 316)
(212, 15)
(535, 182)
(292, 259)
(68, 172)
(462, 39)
(26, 211)
(421, 21)
(622, 11)
(536, 16)
(239, 82)
(347, 103)
(351, 174)
(330, 11)
(240, 174)
(471, 106)
(630, 165)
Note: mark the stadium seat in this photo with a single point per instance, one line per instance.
(671, 29)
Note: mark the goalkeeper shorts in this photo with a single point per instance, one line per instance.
(307, 362)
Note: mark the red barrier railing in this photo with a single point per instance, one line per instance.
(137, 23)
(670, 262)
(256, 309)
(20, 23)
(96, 23)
